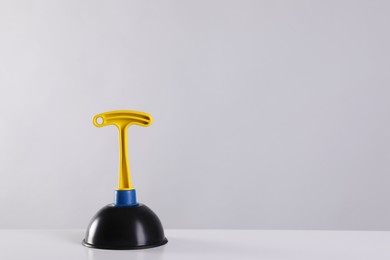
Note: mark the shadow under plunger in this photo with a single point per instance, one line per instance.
(126, 224)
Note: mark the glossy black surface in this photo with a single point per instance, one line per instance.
(134, 227)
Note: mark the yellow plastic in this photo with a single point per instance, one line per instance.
(122, 119)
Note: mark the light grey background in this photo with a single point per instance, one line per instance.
(268, 114)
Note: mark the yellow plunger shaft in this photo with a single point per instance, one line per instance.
(122, 119)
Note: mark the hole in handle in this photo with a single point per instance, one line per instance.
(99, 120)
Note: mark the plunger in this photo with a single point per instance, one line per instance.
(125, 224)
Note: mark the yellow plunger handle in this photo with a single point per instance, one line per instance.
(122, 119)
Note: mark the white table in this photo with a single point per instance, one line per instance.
(204, 244)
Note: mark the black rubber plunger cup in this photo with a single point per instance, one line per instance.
(133, 227)
(125, 224)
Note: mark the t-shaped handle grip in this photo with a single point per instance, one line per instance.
(122, 119)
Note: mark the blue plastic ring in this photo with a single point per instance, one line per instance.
(125, 198)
